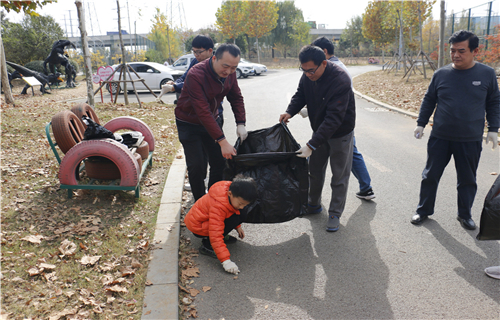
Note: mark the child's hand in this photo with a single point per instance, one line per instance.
(241, 233)
(230, 267)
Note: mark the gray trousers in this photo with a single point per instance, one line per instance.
(339, 151)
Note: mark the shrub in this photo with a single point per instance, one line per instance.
(36, 65)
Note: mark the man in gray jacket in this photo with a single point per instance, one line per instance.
(461, 94)
(326, 90)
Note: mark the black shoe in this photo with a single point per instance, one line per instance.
(229, 239)
(314, 209)
(366, 195)
(206, 248)
(467, 223)
(207, 251)
(418, 219)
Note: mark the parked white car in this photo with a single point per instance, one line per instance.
(259, 68)
(244, 67)
(154, 74)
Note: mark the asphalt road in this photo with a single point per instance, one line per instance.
(378, 265)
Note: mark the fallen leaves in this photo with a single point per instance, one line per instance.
(67, 248)
(36, 239)
(191, 272)
(85, 260)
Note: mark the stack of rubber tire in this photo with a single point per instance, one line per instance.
(105, 159)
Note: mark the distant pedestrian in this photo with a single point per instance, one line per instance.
(460, 94)
(358, 169)
(326, 90)
(215, 214)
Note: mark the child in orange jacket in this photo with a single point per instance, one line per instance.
(215, 214)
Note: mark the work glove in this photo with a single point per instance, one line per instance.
(241, 132)
(418, 132)
(230, 267)
(304, 152)
(493, 137)
(303, 113)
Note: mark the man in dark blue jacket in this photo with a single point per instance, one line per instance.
(326, 90)
(461, 94)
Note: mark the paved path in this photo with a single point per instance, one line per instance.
(377, 266)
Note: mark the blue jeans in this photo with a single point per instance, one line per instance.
(359, 170)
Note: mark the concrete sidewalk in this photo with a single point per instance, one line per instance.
(161, 297)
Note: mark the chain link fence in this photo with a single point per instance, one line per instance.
(483, 20)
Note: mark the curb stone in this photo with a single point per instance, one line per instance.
(161, 299)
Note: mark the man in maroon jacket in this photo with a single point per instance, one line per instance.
(198, 120)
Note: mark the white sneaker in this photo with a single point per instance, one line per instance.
(493, 272)
(187, 187)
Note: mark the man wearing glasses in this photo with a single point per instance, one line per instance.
(325, 89)
(197, 111)
(202, 48)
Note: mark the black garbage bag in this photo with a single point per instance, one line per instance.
(95, 130)
(489, 227)
(269, 157)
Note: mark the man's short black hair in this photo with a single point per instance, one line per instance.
(202, 41)
(244, 187)
(233, 49)
(324, 43)
(312, 53)
(464, 35)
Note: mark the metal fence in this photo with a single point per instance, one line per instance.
(482, 19)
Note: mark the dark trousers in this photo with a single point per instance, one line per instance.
(200, 148)
(231, 223)
(466, 156)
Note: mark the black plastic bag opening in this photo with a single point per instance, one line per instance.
(489, 227)
(269, 157)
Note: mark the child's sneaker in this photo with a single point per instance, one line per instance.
(366, 195)
(229, 239)
(206, 248)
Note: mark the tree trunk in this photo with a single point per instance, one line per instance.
(441, 36)
(124, 62)
(86, 54)
(258, 51)
(9, 99)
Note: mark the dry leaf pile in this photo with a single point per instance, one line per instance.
(391, 88)
(79, 258)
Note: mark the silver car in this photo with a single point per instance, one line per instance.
(155, 75)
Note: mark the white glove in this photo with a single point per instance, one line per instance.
(303, 113)
(304, 152)
(493, 137)
(241, 132)
(418, 132)
(230, 267)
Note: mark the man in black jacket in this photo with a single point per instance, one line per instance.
(326, 90)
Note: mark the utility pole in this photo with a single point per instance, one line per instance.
(86, 53)
(70, 23)
(441, 36)
(124, 62)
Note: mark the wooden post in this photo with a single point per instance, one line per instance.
(5, 78)
(86, 53)
(125, 95)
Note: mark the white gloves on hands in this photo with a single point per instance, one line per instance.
(304, 152)
(493, 137)
(303, 113)
(241, 132)
(230, 267)
(418, 132)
